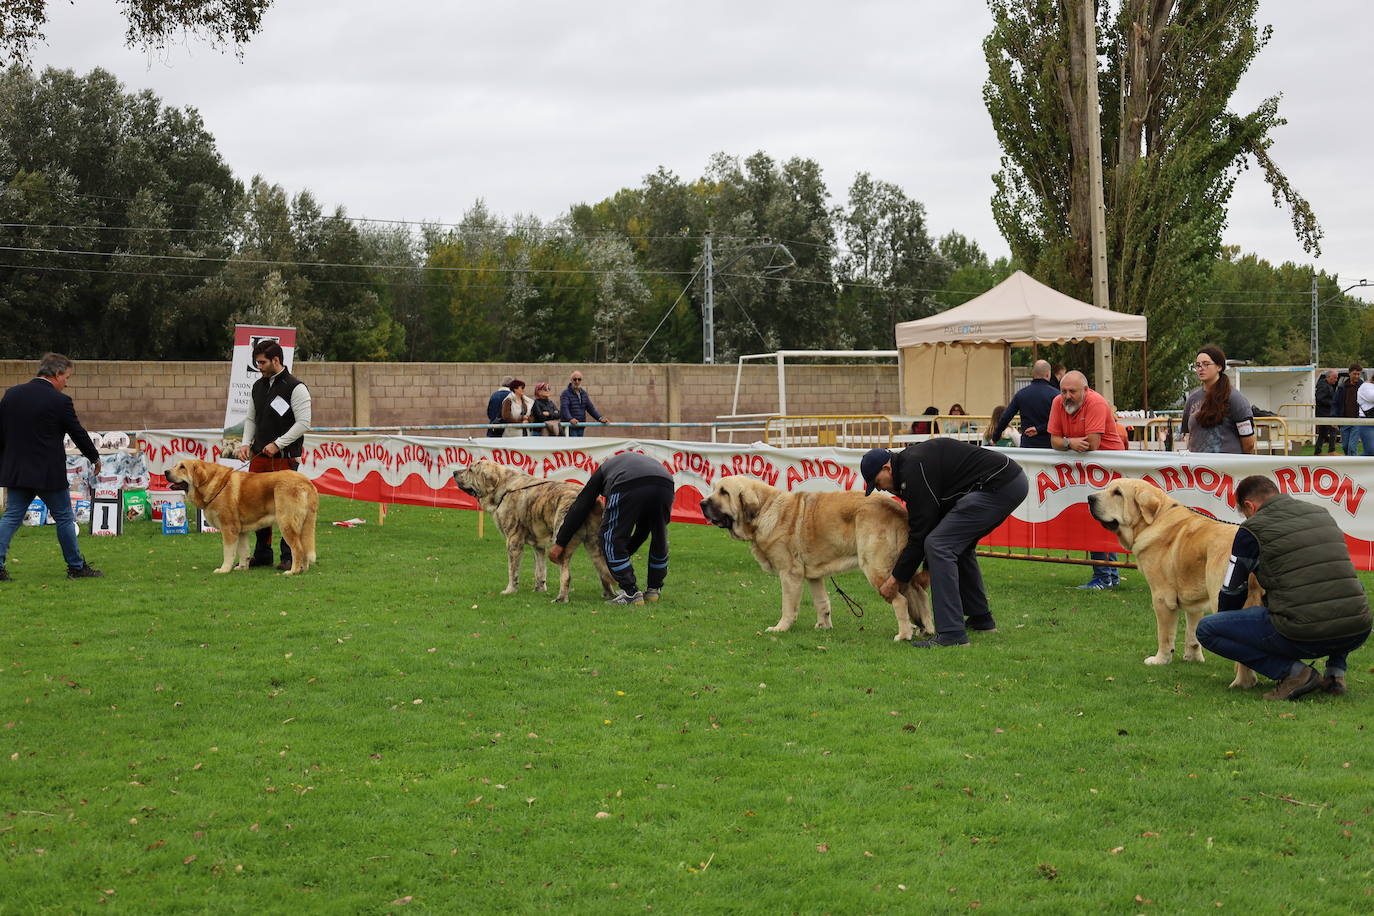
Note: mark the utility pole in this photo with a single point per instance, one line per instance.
(1314, 320)
(708, 307)
(1102, 350)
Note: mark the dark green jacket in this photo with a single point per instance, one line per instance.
(1310, 586)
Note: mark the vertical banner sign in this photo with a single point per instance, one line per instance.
(242, 372)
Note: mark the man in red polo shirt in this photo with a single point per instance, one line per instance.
(1081, 420)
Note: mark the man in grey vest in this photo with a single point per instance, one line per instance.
(639, 502)
(274, 432)
(1315, 604)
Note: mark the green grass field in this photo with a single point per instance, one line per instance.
(388, 734)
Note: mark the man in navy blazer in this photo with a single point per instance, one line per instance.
(33, 462)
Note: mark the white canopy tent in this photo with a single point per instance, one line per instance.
(950, 356)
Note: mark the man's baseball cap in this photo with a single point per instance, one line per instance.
(871, 464)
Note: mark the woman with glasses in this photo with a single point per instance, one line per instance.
(1216, 418)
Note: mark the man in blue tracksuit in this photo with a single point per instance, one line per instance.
(1033, 404)
(639, 503)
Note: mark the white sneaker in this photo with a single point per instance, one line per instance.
(621, 598)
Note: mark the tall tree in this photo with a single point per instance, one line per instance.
(152, 23)
(1171, 151)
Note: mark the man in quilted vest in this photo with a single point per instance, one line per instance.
(1314, 602)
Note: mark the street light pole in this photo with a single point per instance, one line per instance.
(1315, 304)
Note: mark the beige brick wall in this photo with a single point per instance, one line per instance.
(113, 395)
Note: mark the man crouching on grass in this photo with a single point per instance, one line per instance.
(1314, 602)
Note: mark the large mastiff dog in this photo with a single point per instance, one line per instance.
(804, 537)
(529, 510)
(237, 502)
(1183, 556)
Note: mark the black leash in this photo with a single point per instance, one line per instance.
(854, 607)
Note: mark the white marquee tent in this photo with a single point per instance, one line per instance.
(954, 356)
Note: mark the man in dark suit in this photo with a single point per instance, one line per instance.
(33, 462)
(1033, 404)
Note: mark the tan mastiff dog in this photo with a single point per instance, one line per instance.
(804, 537)
(237, 502)
(1183, 556)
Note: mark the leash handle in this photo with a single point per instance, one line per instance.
(854, 607)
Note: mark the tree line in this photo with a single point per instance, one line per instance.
(125, 235)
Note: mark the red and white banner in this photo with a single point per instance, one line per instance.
(419, 471)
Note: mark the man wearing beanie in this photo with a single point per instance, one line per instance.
(955, 494)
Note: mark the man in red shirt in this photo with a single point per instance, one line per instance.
(1081, 420)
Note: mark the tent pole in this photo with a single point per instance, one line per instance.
(1145, 374)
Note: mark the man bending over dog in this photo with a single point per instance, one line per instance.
(1314, 602)
(639, 502)
(955, 495)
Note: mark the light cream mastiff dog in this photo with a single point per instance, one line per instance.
(1183, 556)
(237, 502)
(529, 511)
(804, 537)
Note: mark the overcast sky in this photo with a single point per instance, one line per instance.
(534, 106)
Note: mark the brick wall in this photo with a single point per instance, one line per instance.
(114, 395)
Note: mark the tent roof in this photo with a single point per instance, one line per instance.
(1020, 311)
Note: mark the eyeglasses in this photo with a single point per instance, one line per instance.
(1196, 366)
(577, 378)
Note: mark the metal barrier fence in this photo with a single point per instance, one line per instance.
(839, 431)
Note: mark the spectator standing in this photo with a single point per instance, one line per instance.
(1364, 402)
(498, 397)
(279, 416)
(1216, 418)
(516, 407)
(574, 405)
(33, 460)
(1314, 602)
(1346, 403)
(639, 503)
(1081, 420)
(1325, 395)
(545, 411)
(1033, 404)
(956, 493)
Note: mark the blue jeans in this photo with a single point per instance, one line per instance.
(1105, 573)
(1248, 636)
(1366, 434)
(1349, 436)
(576, 431)
(59, 503)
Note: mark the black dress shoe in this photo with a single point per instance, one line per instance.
(255, 562)
(284, 565)
(84, 571)
(4, 574)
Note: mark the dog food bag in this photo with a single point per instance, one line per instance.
(174, 518)
(107, 486)
(135, 505)
(36, 514)
(81, 506)
(78, 475)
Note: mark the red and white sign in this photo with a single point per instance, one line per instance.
(242, 372)
(419, 471)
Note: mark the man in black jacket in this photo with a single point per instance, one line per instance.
(1314, 602)
(33, 462)
(1325, 395)
(639, 503)
(274, 432)
(955, 495)
(1033, 404)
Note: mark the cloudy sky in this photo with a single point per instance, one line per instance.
(414, 109)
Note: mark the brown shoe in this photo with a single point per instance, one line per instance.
(1333, 685)
(1296, 685)
(284, 565)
